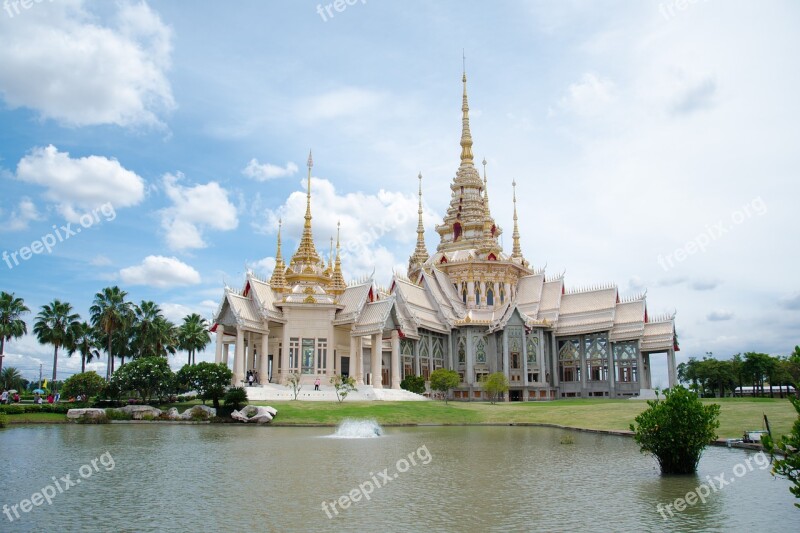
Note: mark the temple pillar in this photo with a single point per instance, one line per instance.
(524, 358)
(263, 360)
(469, 376)
(376, 363)
(671, 369)
(356, 360)
(395, 359)
(238, 359)
(218, 352)
(417, 369)
(225, 351)
(285, 349)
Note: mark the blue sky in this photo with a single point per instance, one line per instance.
(654, 145)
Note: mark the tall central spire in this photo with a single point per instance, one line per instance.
(306, 253)
(466, 136)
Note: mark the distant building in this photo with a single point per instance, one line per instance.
(469, 306)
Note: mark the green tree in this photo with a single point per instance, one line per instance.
(676, 430)
(10, 378)
(110, 312)
(415, 384)
(208, 379)
(236, 397)
(153, 334)
(343, 386)
(87, 384)
(11, 324)
(495, 385)
(149, 376)
(85, 343)
(443, 381)
(193, 335)
(789, 448)
(757, 367)
(56, 324)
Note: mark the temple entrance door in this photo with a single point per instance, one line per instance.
(515, 395)
(345, 366)
(269, 369)
(385, 377)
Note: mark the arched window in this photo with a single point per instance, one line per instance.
(489, 297)
(464, 292)
(477, 293)
(502, 296)
(456, 231)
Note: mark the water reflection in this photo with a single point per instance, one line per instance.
(215, 478)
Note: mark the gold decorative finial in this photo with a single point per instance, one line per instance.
(338, 284)
(306, 256)
(466, 136)
(485, 185)
(420, 252)
(278, 279)
(516, 251)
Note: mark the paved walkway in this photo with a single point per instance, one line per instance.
(272, 392)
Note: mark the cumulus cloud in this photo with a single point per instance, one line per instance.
(61, 61)
(193, 209)
(267, 171)
(719, 315)
(589, 96)
(21, 216)
(263, 267)
(370, 223)
(161, 272)
(80, 185)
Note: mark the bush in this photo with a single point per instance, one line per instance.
(208, 379)
(414, 384)
(676, 430)
(3, 420)
(149, 376)
(236, 397)
(789, 446)
(13, 409)
(114, 414)
(495, 385)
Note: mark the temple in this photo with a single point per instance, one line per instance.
(469, 306)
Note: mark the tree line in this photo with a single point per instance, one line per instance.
(763, 372)
(116, 326)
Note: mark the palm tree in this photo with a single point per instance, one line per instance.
(56, 324)
(110, 312)
(86, 343)
(10, 378)
(11, 325)
(147, 315)
(193, 335)
(164, 337)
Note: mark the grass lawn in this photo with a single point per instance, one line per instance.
(736, 414)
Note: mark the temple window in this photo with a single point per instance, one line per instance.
(502, 296)
(569, 360)
(322, 354)
(532, 347)
(464, 293)
(438, 353)
(489, 297)
(307, 356)
(515, 358)
(596, 349)
(294, 353)
(477, 293)
(456, 231)
(462, 352)
(480, 351)
(626, 361)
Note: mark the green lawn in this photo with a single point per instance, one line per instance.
(736, 414)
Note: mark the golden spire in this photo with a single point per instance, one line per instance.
(278, 279)
(516, 251)
(420, 252)
(485, 187)
(306, 254)
(337, 283)
(466, 137)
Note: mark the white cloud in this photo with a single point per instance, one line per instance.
(263, 267)
(100, 261)
(80, 185)
(193, 209)
(341, 103)
(22, 216)
(59, 60)
(372, 225)
(589, 96)
(267, 171)
(159, 271)
(791, 302)
(719, 315)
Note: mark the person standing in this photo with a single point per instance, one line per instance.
(316, 384)
(4, 396)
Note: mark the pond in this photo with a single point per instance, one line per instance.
(150, 477)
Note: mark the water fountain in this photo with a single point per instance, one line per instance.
(358, 429)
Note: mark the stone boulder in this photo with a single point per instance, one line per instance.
(173, 414)
(199, 412)
(140, 412)
(255, 413)
(74, 415)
